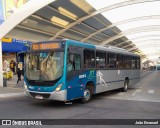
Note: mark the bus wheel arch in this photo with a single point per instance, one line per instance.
(88, 91)
(126, 84)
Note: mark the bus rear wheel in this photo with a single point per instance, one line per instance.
(87, 96)
(125, 88)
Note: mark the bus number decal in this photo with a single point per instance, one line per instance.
(82, 76)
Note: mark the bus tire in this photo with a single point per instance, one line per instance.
(125, 88)
(87, 96)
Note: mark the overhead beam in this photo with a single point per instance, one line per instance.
(48, 21)
(127, 41)
(39, 31)
(122, 22)
(148, 40)
(34, 30)
(132, 31)
(131, 49)
(137, 38)
(114, 6)
(128, 45)
(56, 10)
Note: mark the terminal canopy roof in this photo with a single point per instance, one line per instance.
(130, 24)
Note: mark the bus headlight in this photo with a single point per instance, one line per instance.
(58, 87)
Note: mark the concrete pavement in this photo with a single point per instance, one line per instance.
(12, 88)
(134, 104)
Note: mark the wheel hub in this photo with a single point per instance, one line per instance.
(86, 94)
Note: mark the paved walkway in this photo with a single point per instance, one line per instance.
(13, 82)
(12, 88)
(147, 89)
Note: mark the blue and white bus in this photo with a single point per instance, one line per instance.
(65, 70)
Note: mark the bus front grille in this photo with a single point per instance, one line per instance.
(45, 96)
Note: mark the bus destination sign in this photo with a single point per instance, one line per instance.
(43, 46)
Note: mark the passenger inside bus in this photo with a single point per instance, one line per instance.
(120, 65)
(46, 67)
(127, 65)
(97, 65)
(51, 66)
(70, 63)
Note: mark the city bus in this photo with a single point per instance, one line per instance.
(65, 70)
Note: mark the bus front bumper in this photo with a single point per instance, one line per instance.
(59, 96)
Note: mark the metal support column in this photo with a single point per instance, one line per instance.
(1, 66)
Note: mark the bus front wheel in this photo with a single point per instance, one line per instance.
(87, 96)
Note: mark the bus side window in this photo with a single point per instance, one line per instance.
(73, 62)
(70, 62)
(89, 59)
(138, 63)
(77, 59)
(107, 60)
(112, 60)
(133, 62)
(100, 59)
(120, 62)
(127, 63)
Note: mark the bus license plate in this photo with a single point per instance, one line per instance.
(39, 97)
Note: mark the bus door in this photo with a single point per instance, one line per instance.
(74, 83)
(21, 58)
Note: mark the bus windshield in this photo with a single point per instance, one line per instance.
(44, 66)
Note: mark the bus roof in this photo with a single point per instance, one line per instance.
(115, 50)
(92, 46)
(102, 48)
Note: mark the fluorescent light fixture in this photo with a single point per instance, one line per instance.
(59, 22)
(67, 13)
